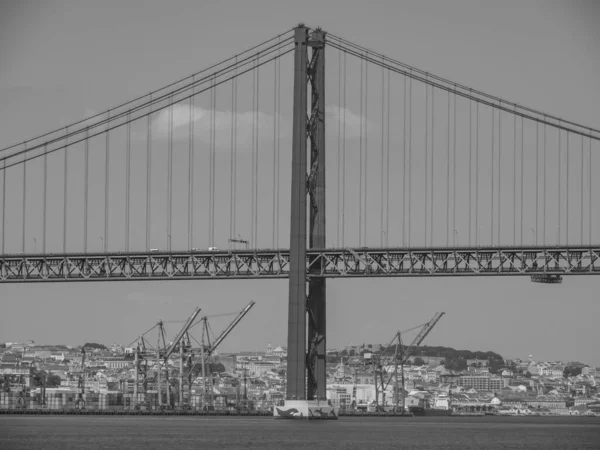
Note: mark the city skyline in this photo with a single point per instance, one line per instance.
(514, 56)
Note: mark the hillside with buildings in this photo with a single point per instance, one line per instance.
(360, 378)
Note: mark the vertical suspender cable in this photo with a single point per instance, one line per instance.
(24, 196)
(432, 163)
(257, 154)
(537, 175)
(170, 176)
(278, 118)
(477, 176)
(454, 169)
(65, 189)
(253, 243)
(581, 193)
(214, 163)
(366, 122)
(128, 182)
(426, 165)
(339, 150)
(4, 203)
(382, 151)
(210, 158)
(148, 174)
(45, 206)
(192, 120)
(235, 118)
(360, 168)
(404, 169)
(559, 182)
(522, 172)
(275, 149)
(231, 160)
(231, 157)
(492, 182)
(387, 167)
(499, 173)
(86, 190)
(448, 179)
(545, 184)
(211, 215)
(344, 158)
(567, 194)
(106, 181)
(409, 154)
(515, 178)
(470, 166)
(590, 191)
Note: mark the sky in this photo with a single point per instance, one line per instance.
(64, 60)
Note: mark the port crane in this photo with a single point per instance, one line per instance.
(162, 352)
(401, 356)
(208, 348)
(81, 382)
(181, 344)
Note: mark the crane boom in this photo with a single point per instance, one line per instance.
(231, 326)
(421, 336)
(181, 333)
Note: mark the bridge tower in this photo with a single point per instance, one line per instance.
(306, 380)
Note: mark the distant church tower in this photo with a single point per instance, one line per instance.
(269, 349)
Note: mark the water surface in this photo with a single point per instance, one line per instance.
(126, 432)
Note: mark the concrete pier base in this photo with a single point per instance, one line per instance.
(306, 409)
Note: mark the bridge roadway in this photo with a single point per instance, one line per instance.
(274, 263)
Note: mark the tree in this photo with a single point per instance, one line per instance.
(52, 380)
(527, 374)
(458, 364)
(418, 361)
(94, 346)
(571, 371)
(496, 366)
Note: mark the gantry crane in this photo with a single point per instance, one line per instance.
(162, 352)
(207, 348)
(81, 382)
(182, 344)
(401, 356)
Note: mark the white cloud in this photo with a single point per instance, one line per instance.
(223, 125)
(335, 113)
(245, 125)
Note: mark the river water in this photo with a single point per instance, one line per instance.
(126, 432)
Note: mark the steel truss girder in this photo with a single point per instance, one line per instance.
(329, 263)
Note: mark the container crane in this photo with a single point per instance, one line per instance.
(401, 356)
(169, 351)
(81, 382)
(207, 348)
(182, 345)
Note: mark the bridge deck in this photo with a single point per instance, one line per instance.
(331, 263)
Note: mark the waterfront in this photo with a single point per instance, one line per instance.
(90, 432)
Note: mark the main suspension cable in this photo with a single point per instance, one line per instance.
(357, 50)
(129, 102)
(62, 138)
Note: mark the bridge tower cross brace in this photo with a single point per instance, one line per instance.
(306, 377)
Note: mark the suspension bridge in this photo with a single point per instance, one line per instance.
(425, 177)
